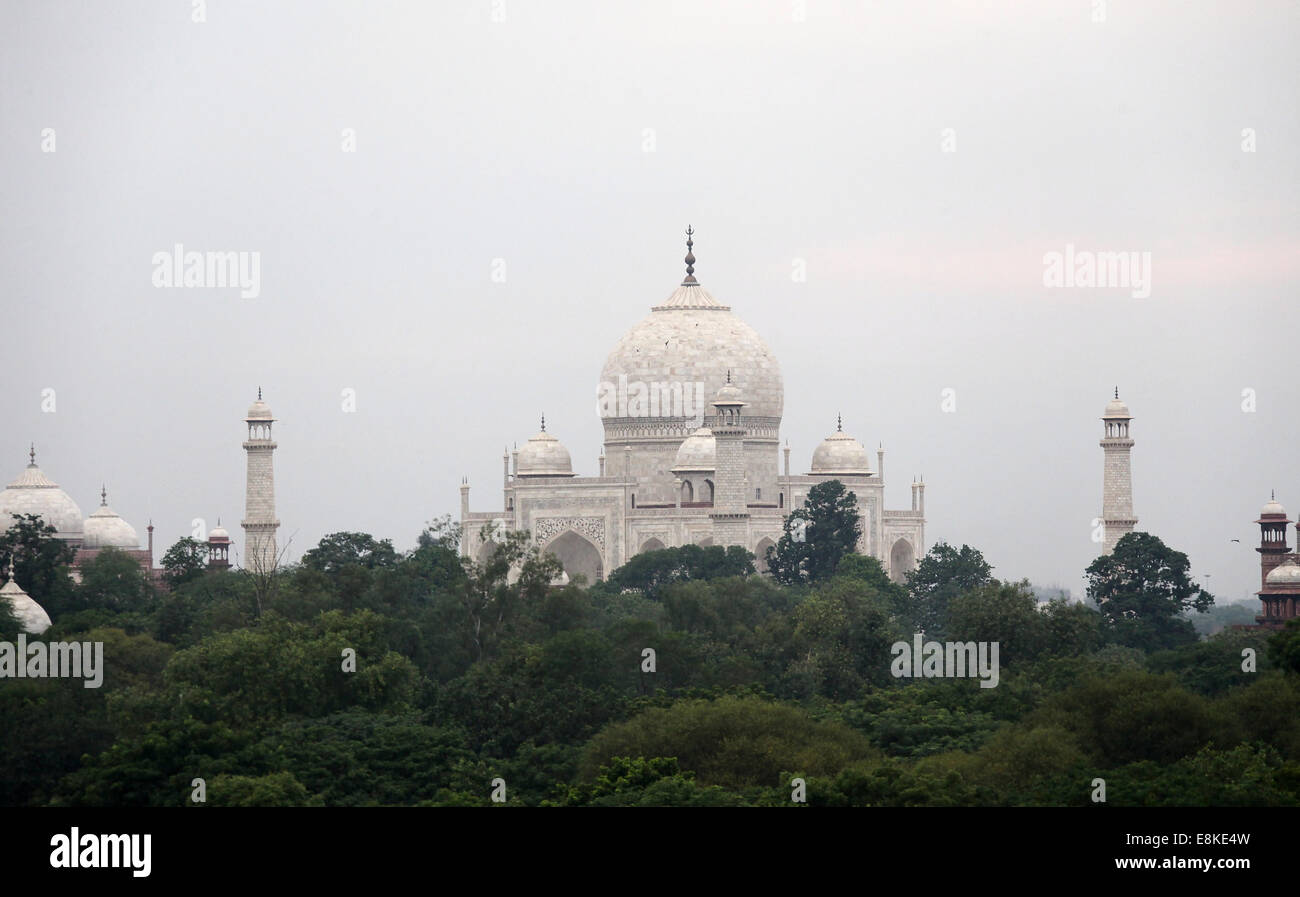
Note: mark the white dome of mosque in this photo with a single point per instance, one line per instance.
(30, 615)
(218, 533)
(1116, 408)
(1286, 574)
(544, 456)
(690, 338)
(729, 393)
(35, 493)
(1273, 506)
(259, 410)
(839, 453)
(698, 453)
(106, 529)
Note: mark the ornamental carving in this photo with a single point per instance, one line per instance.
(547, 528)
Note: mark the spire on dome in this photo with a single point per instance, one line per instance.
(103, 495)
(690, 257)
(543, 421)
(32, 454)
(1117, 392)
(839, 422)
(259, 393)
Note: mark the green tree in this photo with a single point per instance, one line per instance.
(9, 624)
(1070, 628)
(40, 562)
(490, 594)
(840, 641)
(943, 574)
(1006, 613)
(1213, 665)
(338, 551)
(641, 782)
(889, 783)
(1284, 647)
(436, 558)
(650, 571)
(1142, 589)
(283, 669)
(356, 758)
(1130, 716)
(185, 561)
(817, 536)
(277, 789)
(113, 579)
(732, 742)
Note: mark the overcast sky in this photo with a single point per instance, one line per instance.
(575, 141)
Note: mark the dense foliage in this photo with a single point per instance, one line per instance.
(372, 676)
(817, 536)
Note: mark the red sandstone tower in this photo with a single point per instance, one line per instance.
(1279, 573)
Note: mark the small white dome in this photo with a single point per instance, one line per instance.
(842, 455)
(218, 534)
(729, 394)
(1286, 574)
(1273, 506)
(698, 453)
(34, 493)
(31, 616)
(259, 410)
(106, 529)
(544, 456)
(1116, 408)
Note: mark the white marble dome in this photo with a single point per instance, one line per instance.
(35, 493)
(698, 453)
(1273, 506)
(31, 616)
(218, 534)
(1116, 408)
(259, 410)
(693, 338)
(544, 456)
(1286, 575)
(106, 529)
(840, 454)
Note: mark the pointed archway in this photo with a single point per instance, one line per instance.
(578, 556)
(902, 559)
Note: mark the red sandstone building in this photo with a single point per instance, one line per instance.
(1279, 572)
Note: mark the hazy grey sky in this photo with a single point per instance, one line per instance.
(576, 141)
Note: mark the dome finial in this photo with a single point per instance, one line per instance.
(728, 376)
(690, 256)
(259, 393)
(839, 422)
(103, 495)
(32, 454)
(1117, 392)
(543, 421)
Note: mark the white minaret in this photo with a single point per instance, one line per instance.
(730, 502)
(259, 502)
(1117, 475)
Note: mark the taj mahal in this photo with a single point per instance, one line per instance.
(690, 400)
